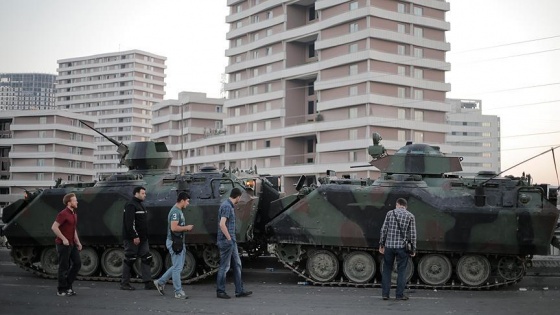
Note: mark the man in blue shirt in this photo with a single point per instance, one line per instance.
(399, 224)
(175, 225)
(229, 254)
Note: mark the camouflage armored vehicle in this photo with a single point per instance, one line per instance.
(100, 210)
(472, 233)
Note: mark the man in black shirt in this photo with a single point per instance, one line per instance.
(135, 239)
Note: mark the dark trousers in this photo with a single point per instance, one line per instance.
(388, 261)
(69, 263)
(131, 254)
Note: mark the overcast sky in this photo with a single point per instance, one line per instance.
(503, 52)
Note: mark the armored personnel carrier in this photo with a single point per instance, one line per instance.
(28, 221)
(476, 232)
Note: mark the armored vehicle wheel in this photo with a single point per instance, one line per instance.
(112, 262)
(359, 267)
(511, 268)
(288, 252)
(435, 269)
(90, 261)
(473, 270)
(155, 266)
(49, 260)
(211, 256)
(322, 265)
(188, 268)
(23, 255)
(409, 271)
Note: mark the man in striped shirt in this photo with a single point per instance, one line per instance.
(398, 227)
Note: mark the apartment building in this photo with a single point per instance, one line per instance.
(473, 136)
(310, 81)
(191, 118)
(38, 147)
(119, 90)
(27, 91)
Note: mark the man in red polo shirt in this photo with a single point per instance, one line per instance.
(67, 245)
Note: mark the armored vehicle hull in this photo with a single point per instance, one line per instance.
(471, 233)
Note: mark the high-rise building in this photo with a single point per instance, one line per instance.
(119, 90)
(27, 91)
(190, 118)
(38, 147)
(310, 81)
(474, 137)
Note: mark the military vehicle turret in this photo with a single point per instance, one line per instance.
(476, 232)
(100, 209)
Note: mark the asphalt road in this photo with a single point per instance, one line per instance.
(275, 292)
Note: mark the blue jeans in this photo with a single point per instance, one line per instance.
(69, 263)
(178, 261)
(388, 261)
(229, 255)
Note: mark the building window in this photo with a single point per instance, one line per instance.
(310, 145)
(237, 77)
(267, 162)
(42, 120)
(269, 32)
(352, 156)
(310, 89)
(238, 42)
(255, 126)
(236, 129)
(255, 18)
(353, 91)
(400, 7)
(40, 162)
(401, 92)
(418, 11)
(310, 107)
(487, 144)
(401, 113)
(255, 37)
(253, 145)
(353, 134)
(418, 137)
(311, 53)
(401, 50)
(401, 136)
(354, 27)
(41, 148)
(268, 106)
(267, 143)
(268, 69)
(237, 111)
(353, 5)
(401, 70)
(486, 134)
(401, 28)
(254, 108)
(232, 147)
(486, 124)
(267, 125)
(419, 115)
(353, 69)
(418, 94)
(219, 109)
(269, 15)
(352, 48)
(40, 176)
(486, 154)
(418, 52)
(42, 134)
(311, 13)
(268, 51)
(255, 90)
(353, 112)
(255, 72)
(418, 73)
(418, 32)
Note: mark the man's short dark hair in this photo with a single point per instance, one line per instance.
(402, 202)
(236, 192)
(137, 189)
(183, 196)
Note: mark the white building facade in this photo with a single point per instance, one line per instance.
(38, 147)
(119, 90)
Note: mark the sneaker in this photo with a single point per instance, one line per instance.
(127, 286)
(244, 294)
(150, 286)
(61, 293)
(181, 295)
(70, 292)
(159, 287)
(385, 298)
(404, 298)
(222, 295)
